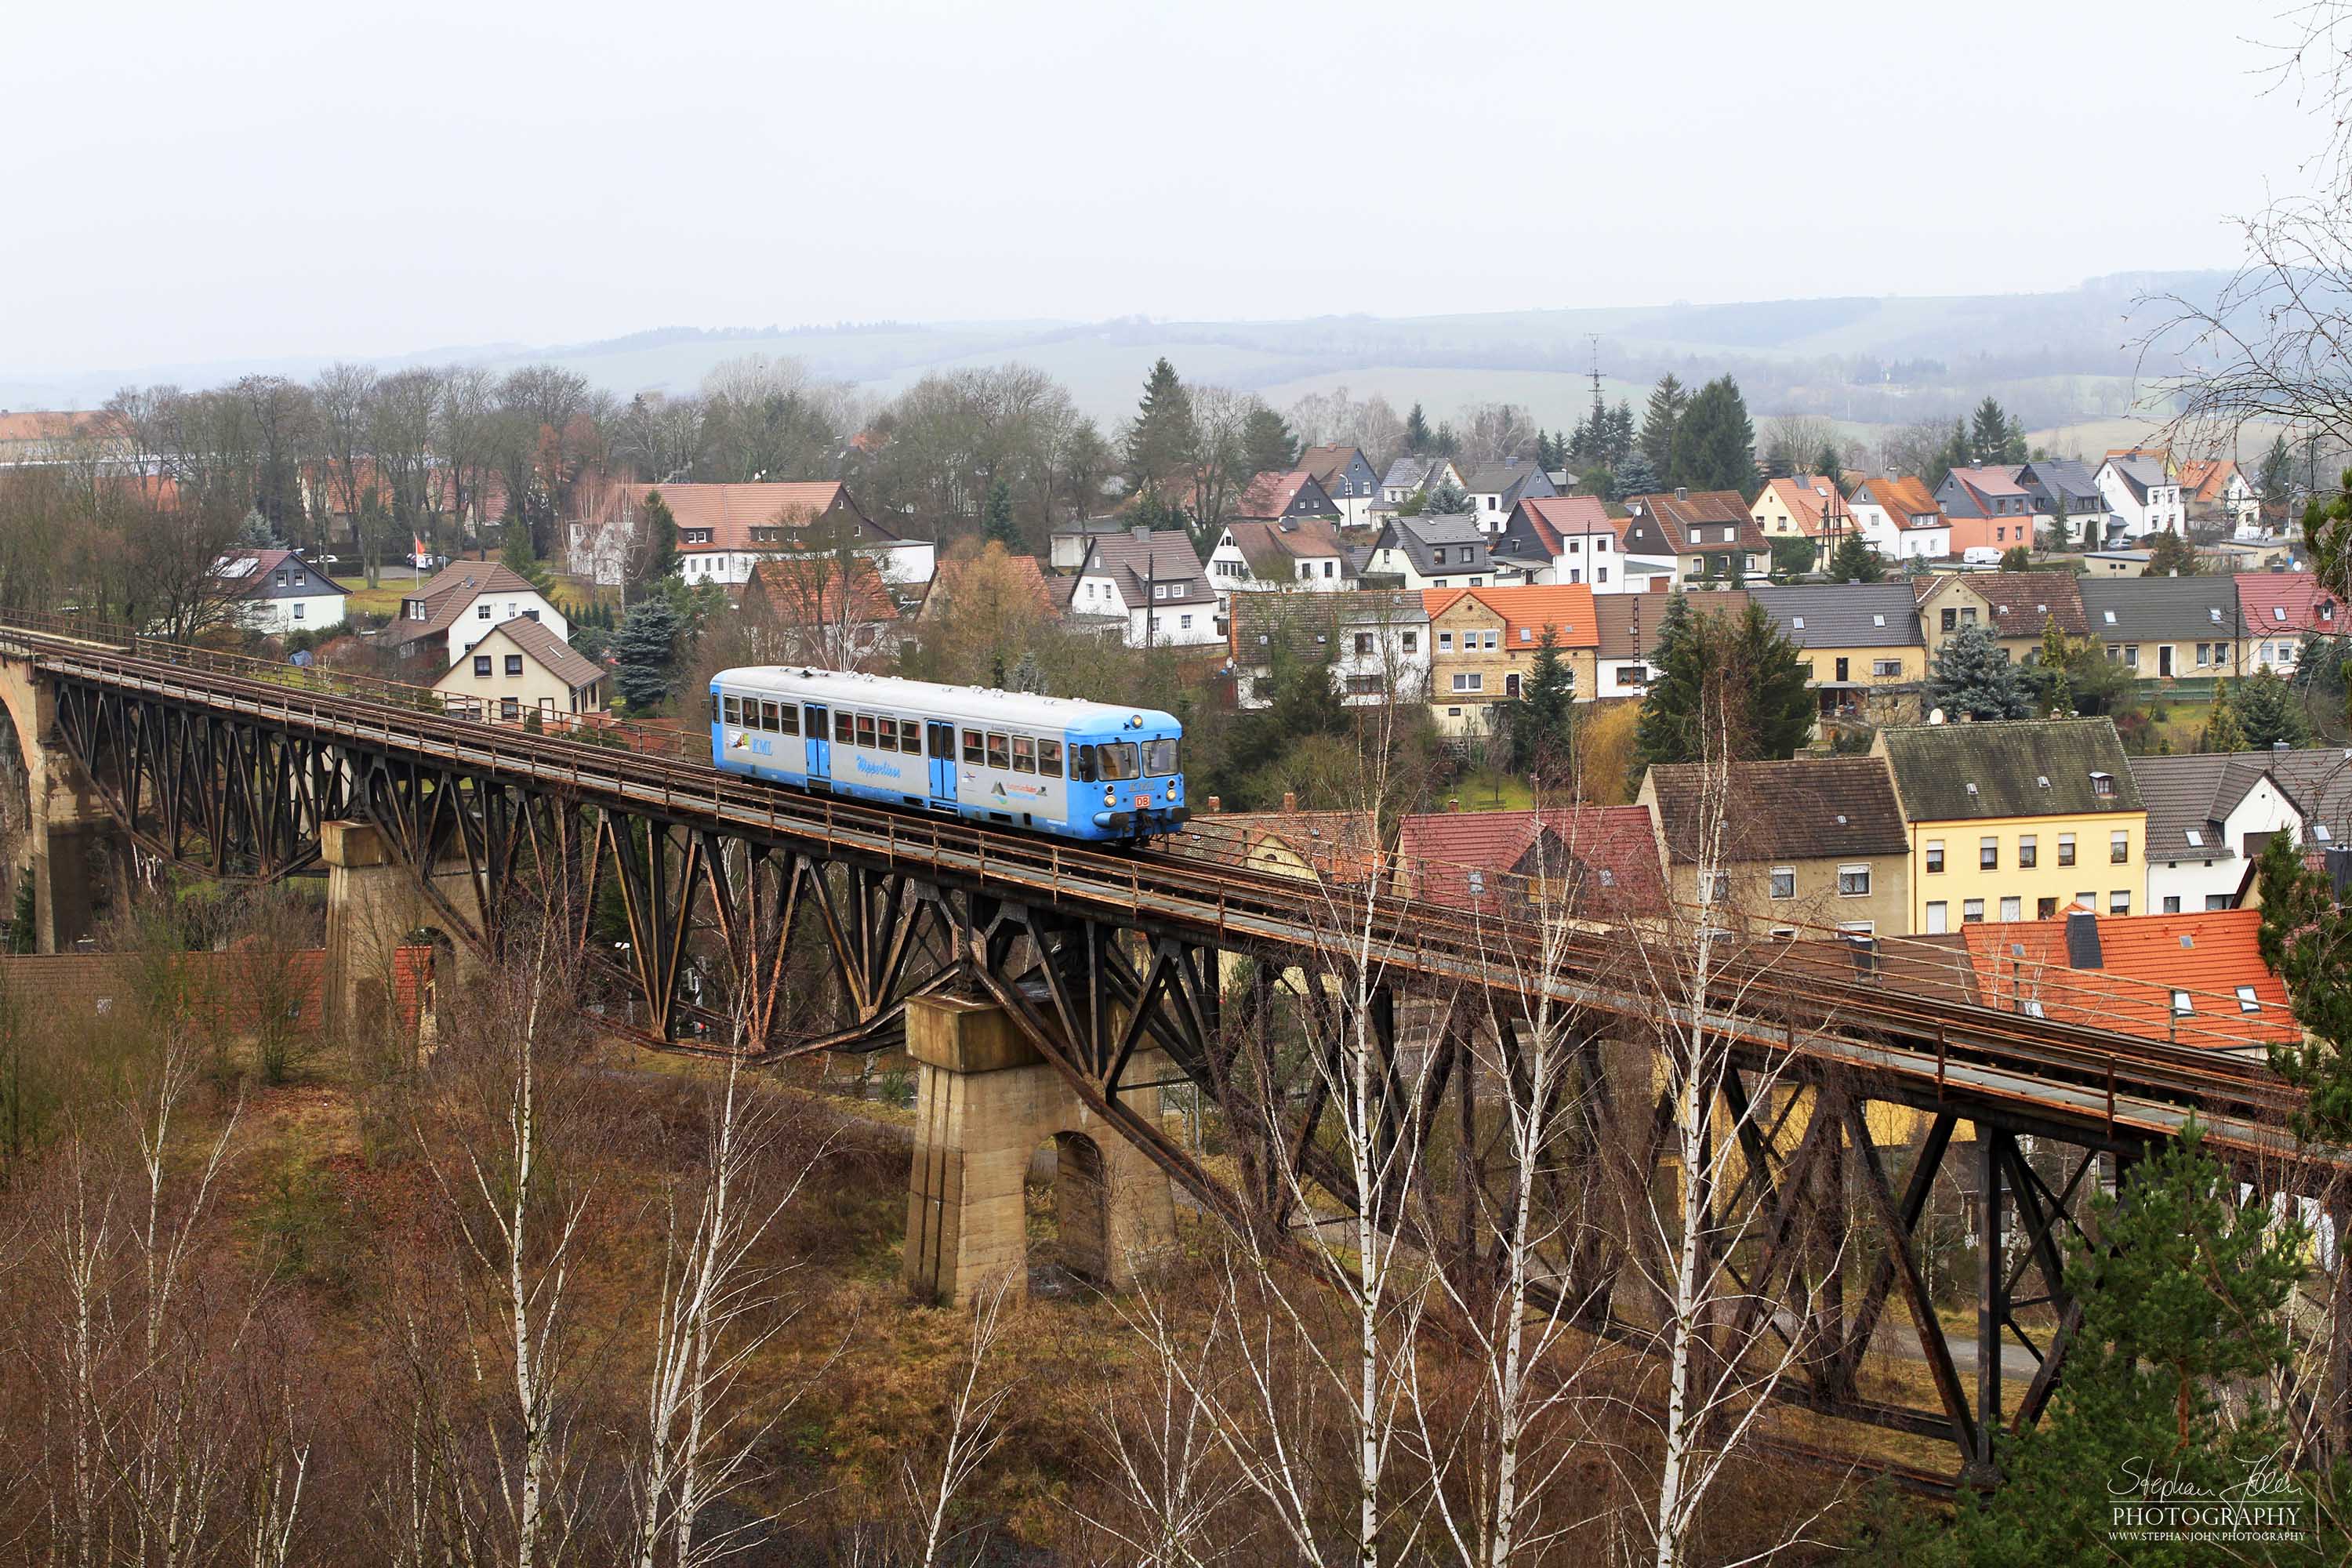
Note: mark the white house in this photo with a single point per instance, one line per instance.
(2209, 815)
(277, 591)
(1568, 539)
(2143, 494)
(1496, 488)
(1409, 477)
(1150, 584)
(1900, 520)
(2213, 490)
(1447, 552)
(1377, 643)
(460, 606)
(1297, 553)
(724, 529)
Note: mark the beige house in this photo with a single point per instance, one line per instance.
(520, 669)
(1808, 845)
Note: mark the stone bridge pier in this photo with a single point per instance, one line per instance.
(374, 908)
(984, 1101)
(71, 839)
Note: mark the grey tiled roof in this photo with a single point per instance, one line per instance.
(1418, 536)
(2026, 767)
(1806, 809)
(1844, 614)
(2160, 609)
(2194, 793)
(2049, 477)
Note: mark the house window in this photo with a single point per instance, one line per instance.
(1951, 618)
(1988, 854)
(482, 612)
(1634, 675)
(1363, 643)
(2171, 905)
(1184, 622)
(299, 608)
(509, 708)
(1493, 639)
(2118, 847)
(1446, 642)
(1934, 855)
(2009, 909)
(2103, 785)
(1972, 912)
(1409, 641)
(1718, 888)
(1160, 590)
(1884, 669)
(2217, 900)
(2119, 902)
(1938, 917)
(1853, 881)
(2028, 850)
(1471, 681)
(1784, 881)
(514, 664)
(482, 667)
(2065, 849)
(2043, 909)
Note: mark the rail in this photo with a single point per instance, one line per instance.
(1772, 1001)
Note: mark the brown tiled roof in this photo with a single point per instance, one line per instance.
(447, 593)
(1023, 580)
(1617, 613)
(1270, 494)
(1902, 500)
(550, 652)
(1608, 855)
(1674, 516)
(2020, 602)
(1276, 544)
(1326, 462)
(1168, 558)
(1338, 844)
(1816, 808)
(797, 597)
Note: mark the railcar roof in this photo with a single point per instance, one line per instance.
(1024, 708)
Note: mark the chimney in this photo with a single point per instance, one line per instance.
(1142, 534)
(2082, 938)
(1215, 805)
(1453, 802)
(1289, 803)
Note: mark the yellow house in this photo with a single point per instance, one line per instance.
(2018, 606)
(2016, 821)
(1484, 641)
(520, 669)
(1862, 640)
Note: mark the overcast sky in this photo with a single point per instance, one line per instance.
(284, 177)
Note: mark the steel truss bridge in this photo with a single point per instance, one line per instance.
(230, 768)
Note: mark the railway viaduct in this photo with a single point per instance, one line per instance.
(1047, 990)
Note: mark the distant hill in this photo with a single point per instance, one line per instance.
(2054, 359)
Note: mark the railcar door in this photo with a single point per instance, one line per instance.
(941, 739)
(816, 734)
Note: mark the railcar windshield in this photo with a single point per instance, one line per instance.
(1117, 760)
(1160, 758)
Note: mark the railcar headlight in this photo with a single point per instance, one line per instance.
(1110, 795)
(1171, 789)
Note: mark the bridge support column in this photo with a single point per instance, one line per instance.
(71, 831)
(374, 906)
(984, 1100)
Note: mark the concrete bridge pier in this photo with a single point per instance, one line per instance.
(984, 1100)
(374, 908)
(70, 833)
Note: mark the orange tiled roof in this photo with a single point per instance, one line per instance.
(732, 510)
(1567, 607)
(1608, 854)
(1903, 498)
(2143, 960)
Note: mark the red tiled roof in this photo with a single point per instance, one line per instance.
(1270, 494)
(1607, 854)
(798, 597)
(54, 424)
(1566, 607)
(1552, 517)
(2279, 603)
(2143, 960)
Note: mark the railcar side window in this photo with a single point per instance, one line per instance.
(971, 747)
(1160, 758)
(842, 735)
(1086, 764)
(791, 716)
(866, 729)
(1000, 756)
(732, 715)
(910, 737)
(1049, 758)
(1024, 754)
(1118, 760)
(888, 737)
(769, 719)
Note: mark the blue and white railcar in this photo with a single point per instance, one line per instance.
(1081, 770)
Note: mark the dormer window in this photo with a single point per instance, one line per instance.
(2103, 785)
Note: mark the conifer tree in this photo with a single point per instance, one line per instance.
(1957, 453)
(1746, 664)
(1635, 476)
(1855, 562)
(2017, 558)
(2056, 652)
(1988, 434)
(1771, 678)
(659, 558)
(2305, 938)
(1972, 677)
(518, 556)
(1828, 467)
(645, 654)
(1541, 720)
(2061, 525)
(2169, 555)
(996, 517)
(2268, 713)
(1267, 445)
(1681, 666)
(1660, 419)
(1620, 444)
(1418, 437)
(1715, 443)
(1446, 501)
(1161, 437)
